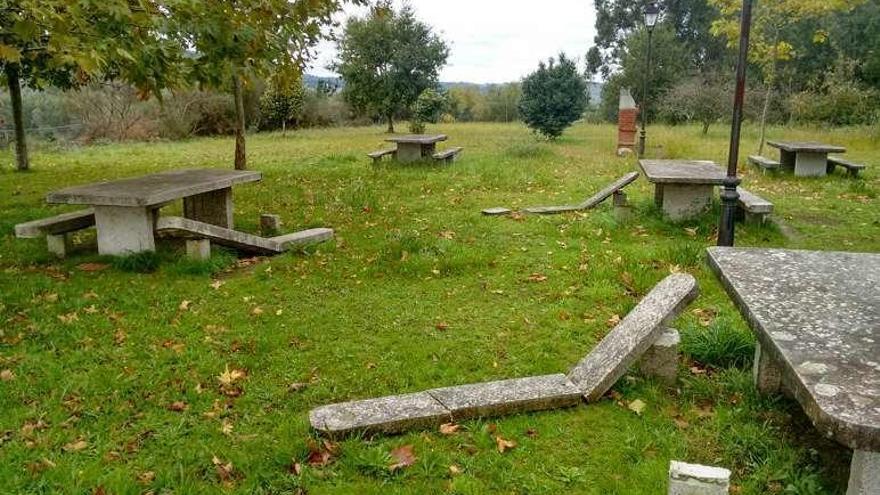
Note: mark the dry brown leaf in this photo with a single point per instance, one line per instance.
(503, 444)
(93, 267)
(178, 406)
(217, 284)
(403, 456)
(321, 454)
(454, 470)
(442, 326)
(537, 277)
(447, 234)
(76, 445)
(146, 477)
(184, 305)
(225, 470)
(637, 406)
(614, 320)
(449, 428)
(7, 375)
(230, 376)
(257, 311)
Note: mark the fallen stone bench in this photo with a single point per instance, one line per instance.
(852, 168)
(448, 156)
(200, 234)
(695, 479)
(613, 189)
(753, 208)
(56, 229)
(642, 330)
(764, 163)
(377, 155)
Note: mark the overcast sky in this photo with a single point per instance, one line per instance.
(494, 41)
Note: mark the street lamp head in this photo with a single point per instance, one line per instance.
(652, 13)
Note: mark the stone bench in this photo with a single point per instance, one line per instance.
(642, 334)
(852, 168)
(614, 189)
(753, 208)
(377, 155)
(56, 229)
(447, 156)
(764, 163)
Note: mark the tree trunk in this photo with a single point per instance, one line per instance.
(764, 112)
(390, 118)
(283, 128)
(238, 93)
(21, 152)
(706, 127)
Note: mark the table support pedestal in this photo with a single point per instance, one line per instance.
(864, 473)
(125, 229)
(811, 164)
(683, 201)
(409, 152)
(766, 373)
(213, 207)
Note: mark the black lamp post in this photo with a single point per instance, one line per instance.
(729, 195)
(652, 13)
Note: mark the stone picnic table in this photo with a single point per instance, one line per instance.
(816, 316)
(683, 188)
(126, 210)
(415, 147)
(807, 159)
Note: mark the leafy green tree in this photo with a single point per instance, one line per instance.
(501, 102)
(65, 44)
(283, 101)
(387, 59)
(553, 97)
(704, 99)
(236, 41)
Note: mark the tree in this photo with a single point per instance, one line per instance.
(66, 44)
(429, 106)
(502, 101)
(236, 41)
(387, 59)
(703, 99)
(283, 101)
(553, 97)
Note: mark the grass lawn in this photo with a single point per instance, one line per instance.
(111, 378)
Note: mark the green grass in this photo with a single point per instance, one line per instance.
(418, 291)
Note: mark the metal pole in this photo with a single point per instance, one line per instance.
(729, 194)
(644, 107)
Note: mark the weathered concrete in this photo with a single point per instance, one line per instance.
(766, 372)
(448, 155)
(753, 208)
(496, 211)
(816, 315)
(411, 152)
(198, 249)
(416, 147)
(660, 361)
(808, 159)
(303, 237)
(629, 340)
(191, 229)
(58, 224)
(807, 146)
(534, 393)
(155, 189)
(851, 167)
(392, 414)
(764, 163)
(864, 473)
(58, 244)
(214, 207)
(125, 230)
(809, 164)
(694, 479)
(591, 202)
(683, 201)
(270, 224)
(622, 208)
(683, 172)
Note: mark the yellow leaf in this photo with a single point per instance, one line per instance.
(9, 53)
(637, 406)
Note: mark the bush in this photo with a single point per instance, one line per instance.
(281, 104)
(839, 100)
(553, 97)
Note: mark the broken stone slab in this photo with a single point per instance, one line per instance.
(55, 225)
(191, 229)
(660, 361)
(609, 360)
(303, 237)
(590, 202)
(498, 210)
(550, 210)
(694, 479)
(391, 414)
(498, 398)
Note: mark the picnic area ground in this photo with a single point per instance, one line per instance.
(198, 376)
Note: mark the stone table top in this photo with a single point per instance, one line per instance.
(817, 314)
(418, 138)
(806, 146)
(154, 189)
(682, 172)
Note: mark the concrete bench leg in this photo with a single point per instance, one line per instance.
(409, 152)
(622, 208)
(811, 164)
(213, 207)
(755, 218)
(270, 225)
(124, 230)
(198, 249)
(658, 195)
(682, 201)
(787, 159)
(58, 244)
(864, 473)
(660, 361)
(766, 373)
(694, 479)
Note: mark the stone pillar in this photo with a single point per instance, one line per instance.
(58, 244)
(622, 208)
(270, 225)
(693, 479)
(864, 473)
(627, 120)
(787, 159)
(198, 249)
(811, 164)
(766, 373)
(213, 207)
(660, 361)
(124, 229)
(682, 201)
(409, 152)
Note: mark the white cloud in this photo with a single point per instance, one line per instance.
(495, 41)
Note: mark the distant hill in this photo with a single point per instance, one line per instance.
(312, 81)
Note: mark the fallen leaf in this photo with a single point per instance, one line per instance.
(184, 305)
(296, 468)
(146, 477)
(637, 406)
(296, 387)
(75, 446)
(454, 470)
(69, 318)
(614, 320)
(692, 231)
(504, 445)
(403, 457)
(226, 427)
(217, 284)
(321, 454)
(447, 234)
(230, 376)
(93, 267)
(178, 406)
(225, 471)
(442, 326)
(7, 375)
(257, 311)
(537, 277)
(449, 428)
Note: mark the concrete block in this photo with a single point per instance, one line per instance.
(58, 244)
(766, 373)
(864, 473)
(392, 414)
(270, 225)
(198, 249)
(660, 361)
(811, 164)
(495, 211)
(629, 340)
(503, 397)
(310, 236)
(213, 207)
(683, 201)
(694, 479)
(124, 230)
